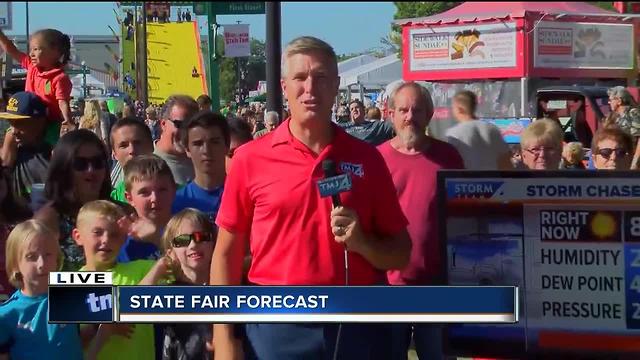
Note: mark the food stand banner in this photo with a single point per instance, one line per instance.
(583, 46)
(569, 240)
(463, 47)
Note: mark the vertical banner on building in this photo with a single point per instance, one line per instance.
(5, 15)
(236, 40)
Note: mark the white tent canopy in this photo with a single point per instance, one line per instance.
(355, 62)
(92, 84)
(374, 75)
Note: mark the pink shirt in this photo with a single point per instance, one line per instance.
(415, 178)
(51, 86)
(271, 193)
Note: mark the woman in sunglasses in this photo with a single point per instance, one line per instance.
(190, 236)
(77, 175)
(612, 149)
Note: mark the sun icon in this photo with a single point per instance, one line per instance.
(603, 225)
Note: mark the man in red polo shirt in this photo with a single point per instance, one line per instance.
(271, 201)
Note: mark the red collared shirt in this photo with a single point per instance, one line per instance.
(271, 193)
(51, 86)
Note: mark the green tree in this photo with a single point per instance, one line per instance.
(344, 57)
(405, 10)
(255, 66)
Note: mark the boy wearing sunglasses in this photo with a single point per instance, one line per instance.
(190, 237)
(27, 115)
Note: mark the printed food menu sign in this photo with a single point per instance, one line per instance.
(571, 243)
(463, 47)
(583, 45)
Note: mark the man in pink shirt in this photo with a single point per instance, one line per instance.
(414, 159)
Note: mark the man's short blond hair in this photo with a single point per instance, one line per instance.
(543, 130)
(145, 167)
(99, 208)
(306, 45)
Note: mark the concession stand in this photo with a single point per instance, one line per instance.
(510, 53)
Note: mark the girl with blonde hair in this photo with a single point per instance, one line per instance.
(190, 238)
(32, 252)
(95, 120)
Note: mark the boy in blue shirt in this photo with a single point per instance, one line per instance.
(150, 189)
(206, 140)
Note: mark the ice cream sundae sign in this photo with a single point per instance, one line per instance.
(463, 47)
(583, 46)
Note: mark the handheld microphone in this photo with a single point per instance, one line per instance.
(332, 185)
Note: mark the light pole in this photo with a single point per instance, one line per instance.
(273, 49)
(84, 79)
(26, 8)
(238, 73)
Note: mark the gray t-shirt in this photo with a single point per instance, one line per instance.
(31, 167)
(181, 167)
(479, 143)
(372, 132)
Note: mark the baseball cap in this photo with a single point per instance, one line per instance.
(24, 105)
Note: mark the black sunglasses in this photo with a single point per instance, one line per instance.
(185, 239)
(82, 164)
(606, 152)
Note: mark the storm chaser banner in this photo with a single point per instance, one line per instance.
(569, 240)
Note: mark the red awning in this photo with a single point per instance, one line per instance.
(472, 11)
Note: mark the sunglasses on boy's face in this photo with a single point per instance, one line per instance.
(185, 239)
(607, 152)
(82, 163)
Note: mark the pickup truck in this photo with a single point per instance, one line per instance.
(579, 109)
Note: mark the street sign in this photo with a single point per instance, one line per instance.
(74, 71)
(235, 8)
(139, 3)
(5, 15)
(219, 8)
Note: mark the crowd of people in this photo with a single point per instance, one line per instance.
(176, 193)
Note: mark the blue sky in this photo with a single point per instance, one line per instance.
(348, 26)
